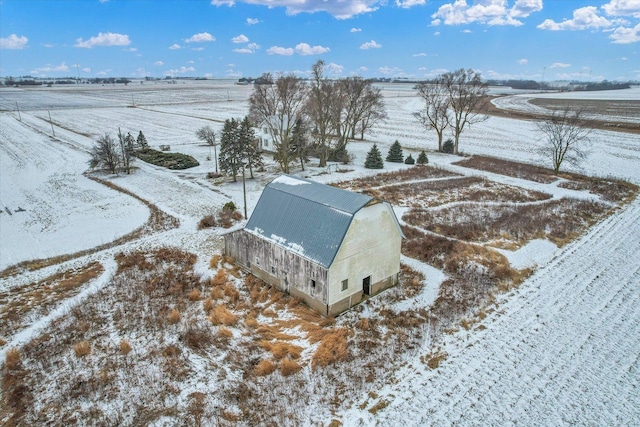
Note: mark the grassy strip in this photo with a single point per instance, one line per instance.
(37, 299)
(158, 221)
(175, 161)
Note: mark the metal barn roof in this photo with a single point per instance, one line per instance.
(305, 216)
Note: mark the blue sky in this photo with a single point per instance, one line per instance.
(502, 39)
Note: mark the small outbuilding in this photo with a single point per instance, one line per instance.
(325, 245)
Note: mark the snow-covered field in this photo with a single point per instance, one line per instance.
(563, 348)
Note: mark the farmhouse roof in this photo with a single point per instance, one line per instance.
(305, 216)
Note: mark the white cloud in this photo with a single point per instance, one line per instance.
(560, 65)
(305, 49)
(197, 49)
(132, 49)
(250, 48)
(175, 46)
(623, 8)
(200, 38)
(387, 71)
(158, 63)
(467, 31)
(523, 61)
(624, 35)
(104, 72)
(583, 18)
(104, 39)
(406, 4)
(13, 42)
(338, 9)
(490, 12)
(252, 21)
(86, 69)
(240, 39)
(363, 69)
(333, 69)
(355, 30)
(437, 33)
(62, 68)
(415, 55)
(524, 8)
(371, 45)
(181, 70)
(277, 50)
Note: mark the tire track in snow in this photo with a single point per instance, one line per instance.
(564, 351)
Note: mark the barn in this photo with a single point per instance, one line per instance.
(327, 246)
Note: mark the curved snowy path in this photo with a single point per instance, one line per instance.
(564, 350)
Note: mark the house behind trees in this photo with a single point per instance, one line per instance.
(327, 246)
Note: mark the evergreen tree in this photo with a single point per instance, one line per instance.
(249, 145)
(422, 158)
(299, 142)
(374, 159)
(142, 141)
(409, 160)
(231, 153)
(395, 153)
(448, 146)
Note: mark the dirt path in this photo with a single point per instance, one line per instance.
(564, 351)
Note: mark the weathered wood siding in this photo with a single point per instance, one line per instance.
(371, 247)
(278, 266)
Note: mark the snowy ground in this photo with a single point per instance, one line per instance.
(562, 350)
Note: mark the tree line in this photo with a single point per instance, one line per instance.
(318, 117)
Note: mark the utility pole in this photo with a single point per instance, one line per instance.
(51, 123)
(244, 192)
(18, 109)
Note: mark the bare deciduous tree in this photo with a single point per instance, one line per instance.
(277, 105)
(208, 135)
(466, 94)
(319, 109)
(105, 154)
(436, 104)
(567, 136)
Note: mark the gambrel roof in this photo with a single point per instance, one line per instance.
(305, 216)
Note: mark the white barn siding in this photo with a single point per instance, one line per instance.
(371, 247)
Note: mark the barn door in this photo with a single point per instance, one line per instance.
(366, 285)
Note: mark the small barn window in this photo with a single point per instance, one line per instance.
(273, 270)
(257, 261)
(345, 284)
(313, 284)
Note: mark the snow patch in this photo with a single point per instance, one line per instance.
(536, 253)
(288, 180)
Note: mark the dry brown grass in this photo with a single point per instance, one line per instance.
(281, 349)
(81, 348)
(38, 298)
(12, 359)
(612, 190)
(264, 368)
(225, 333)
(174, 316)
(390, 178)
(195, 295)
(509, 168)
(214, 262)
(289, 367)
(125, 347)
(221, 278)
(433, 360)
(207, 305)
(220, 315)
(333, 348)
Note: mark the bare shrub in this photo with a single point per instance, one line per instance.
(214, 262)
(264, 367)
(81, 348)
(434, 359)
(197, 338)
(208, 221)
(220, 278)
(225, 333)
(207, 305)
